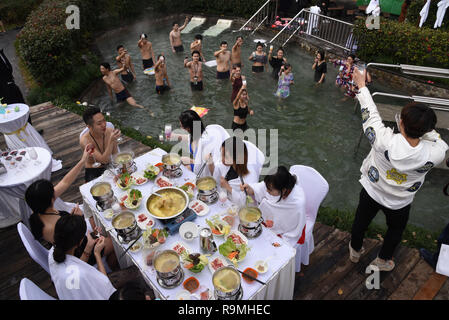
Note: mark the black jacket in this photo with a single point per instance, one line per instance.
(5, 69)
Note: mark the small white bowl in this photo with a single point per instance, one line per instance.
(262, 263)
(188, 231)
(108, 214)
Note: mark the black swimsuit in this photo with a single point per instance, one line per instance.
(242, 113)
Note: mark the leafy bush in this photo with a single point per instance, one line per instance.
(414, 17)
(403, 43)
(16, 11)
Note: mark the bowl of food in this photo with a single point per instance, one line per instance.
(108, 214)
(101, 191)
(124, 181)
(194, 262)
(124, 159)
(261, 266)
(171, 161)
(218, 226)
(234, 249)
(251, 273)
(173, 202)
(191, 284)
(136, 247)
(151, 172)
(139, 179)
(133, 200)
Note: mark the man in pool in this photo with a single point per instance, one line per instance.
(196, 71)
(175, 36)
(103, 139)
(146, 50)
(124, 61)
(197, 46)
(237, 52)
(223, 57)
(113, 83)
(160, 73)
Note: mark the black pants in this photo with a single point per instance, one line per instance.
(396, 223)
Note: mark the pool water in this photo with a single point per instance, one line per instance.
(315, 128)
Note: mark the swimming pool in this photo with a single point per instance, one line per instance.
(314, 127)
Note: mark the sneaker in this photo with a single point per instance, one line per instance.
(354, 256)
(428, 257)
(383, 265)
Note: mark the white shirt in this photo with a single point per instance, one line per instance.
(75, 279)
(394, 170)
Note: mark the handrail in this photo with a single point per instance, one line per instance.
(293, 19)
(415, 70)
(260, 9)
(259, 24)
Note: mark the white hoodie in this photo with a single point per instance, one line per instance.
(394, 170)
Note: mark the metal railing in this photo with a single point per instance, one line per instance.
(266, 13)
(307, 24)
(415, 70)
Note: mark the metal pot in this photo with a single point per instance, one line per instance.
(253, 224)
(171, 276)
(161, 191)
(208, 196)
(119, 163)
(175, 159)
(234, 293)
(127, 231)
(105, 197)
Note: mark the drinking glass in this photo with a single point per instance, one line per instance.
(223, 196)
(167, 131)
(34, 156)
(397, 117)
(119, 139)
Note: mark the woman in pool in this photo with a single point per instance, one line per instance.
(282, 202)
(204, 142)
(241, 109)
(285, 80)
(239, 158)
(344, 77)
(320, 68)
(259, 58)
(276, 61)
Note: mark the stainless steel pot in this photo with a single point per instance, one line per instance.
(209, 196)
(118, 164)
(126, 231)
(250, 224)
(173, 275)
(161, 191)
(175, 159)
(234, 293)
(105, 197)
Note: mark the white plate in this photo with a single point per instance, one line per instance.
(163, 179)
(136, 247)
(261, 262)
(108, 214)
(128, 203)
(188, 227)
(178, 245)
(223, 261)
(238, 233)
(139, 175)
(198, 203)
(144, 225)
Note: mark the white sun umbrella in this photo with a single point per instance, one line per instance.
(442, 7)
(424, 13)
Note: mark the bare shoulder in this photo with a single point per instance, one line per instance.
(84, 140)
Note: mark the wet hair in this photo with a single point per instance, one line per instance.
(198, 37)
(321, 52)
(130, 291)
(234, 146)
(352, 56)
(222, 43)
(239, 37)
(282, 49)
(38, 197)
(119, 47)
(282, 181)
(106, 65)
(259, 44)
(187, 119)
(418, 119)
(88, 115)
(69, 231)
(196, 51)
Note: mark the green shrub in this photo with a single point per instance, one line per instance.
(414, 17)
(16, 11)
(403, 43)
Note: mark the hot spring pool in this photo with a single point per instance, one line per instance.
(314, 127)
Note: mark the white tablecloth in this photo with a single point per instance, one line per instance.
(279, 279)
(14, 183)
(24, 133)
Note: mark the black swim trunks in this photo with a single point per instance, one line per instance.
(128, 77)
(147, 63)
(257, 69)
(198, 86)
(243, 127)
(179, 48)
(122, 95)
(93, 173)
(161, 89)
(223, 75)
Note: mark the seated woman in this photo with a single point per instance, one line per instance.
(282, 202)
(40, 197)
(234, 164)
(204, 142)
(241, 109)
(73, 278)
(259, 58)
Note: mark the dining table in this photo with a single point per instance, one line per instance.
(278, 280)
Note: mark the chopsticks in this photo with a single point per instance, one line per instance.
(251, 277)
(201, 170)
(243, 183)
(130, 246)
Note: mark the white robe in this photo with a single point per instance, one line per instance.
(442, 7)
(75, 279)
(210, 142)
(424, 13)
(288, 215)
(373, 4)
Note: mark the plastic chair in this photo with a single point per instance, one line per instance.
(30, 291)
(315, 189)
(37, 252)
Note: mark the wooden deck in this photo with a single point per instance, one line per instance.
(330, 275)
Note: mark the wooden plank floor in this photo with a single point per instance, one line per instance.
(329, 276)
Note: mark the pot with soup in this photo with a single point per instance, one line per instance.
(168, 269)
(101, 191)
(207, 190)
(227, 284)
(173, 202)
(126, 226)
(124, 160)
(171, 161)
(250, 217)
